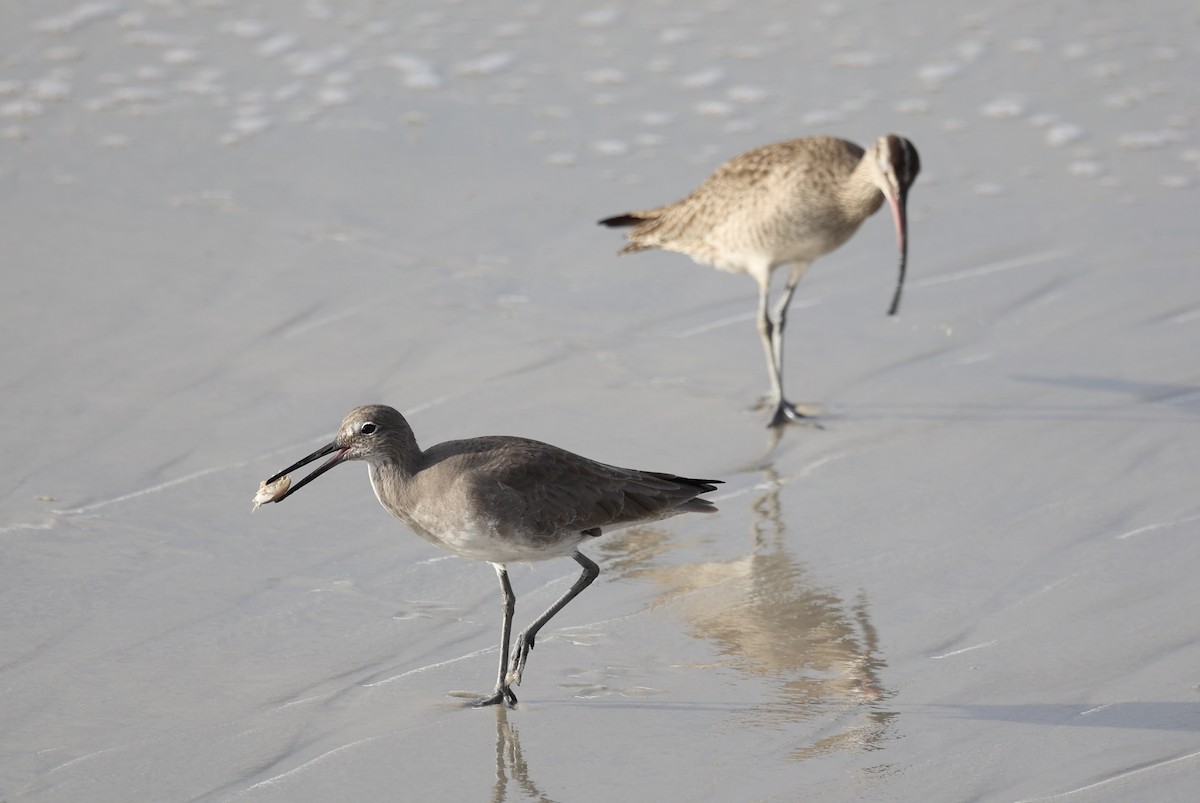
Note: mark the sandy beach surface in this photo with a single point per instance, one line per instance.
(225, 224)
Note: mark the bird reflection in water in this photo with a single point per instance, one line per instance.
(770, 620)
(510, 764)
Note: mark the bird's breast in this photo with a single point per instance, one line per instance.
(453, 520)
(491, 539)
(776, 240)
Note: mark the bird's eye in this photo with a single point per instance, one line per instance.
(368, 428)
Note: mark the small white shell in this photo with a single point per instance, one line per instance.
(273, 492)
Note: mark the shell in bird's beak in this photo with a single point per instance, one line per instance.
(271, 491)
(274, 486)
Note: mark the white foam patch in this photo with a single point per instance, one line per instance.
(130, 20)
(1076, 50)
(936, 74)
(318, 10)
(64, 53)
(1064, 134)
(245, 28)
(971, 50)
(748, 94)
(819, 117)
(308, 63)
(972, 648)
(76, 18)
(334, 96)
(22, 108)
(600, 18)
(1004, 108)
(52, 90)
(156, 39)
(1124, 98)
(677, 36)
(509, 30)
(611, 147)
(609, 76)
(703, 79)
(859, 59)
(418, 73)
(714, 108)
(1106, 71)
(912, 106)
(1029, 45)
(276, 45)
(180, 55)
(489, 64)
(1148, 140)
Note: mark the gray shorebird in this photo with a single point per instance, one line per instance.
(500, 499)
(782, 204)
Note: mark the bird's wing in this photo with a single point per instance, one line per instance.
(549, 490)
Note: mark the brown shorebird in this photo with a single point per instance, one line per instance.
(782, 204)
(499, 499)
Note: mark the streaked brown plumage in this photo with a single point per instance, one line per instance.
(782, 204)
(502, 499)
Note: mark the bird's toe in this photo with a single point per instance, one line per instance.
(787, 413)
(502, 694)
(520, 655)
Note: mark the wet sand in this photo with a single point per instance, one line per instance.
(226, 226)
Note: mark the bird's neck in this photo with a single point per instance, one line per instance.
(392, 474)
(390, 480)
(860, 195)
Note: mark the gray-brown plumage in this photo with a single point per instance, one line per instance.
(502, 499)
(782, 204)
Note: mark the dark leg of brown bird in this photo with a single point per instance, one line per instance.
(525, 641)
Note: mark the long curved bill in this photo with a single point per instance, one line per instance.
(339, 454)
(900, 217)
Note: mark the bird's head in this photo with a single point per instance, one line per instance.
(373, 432)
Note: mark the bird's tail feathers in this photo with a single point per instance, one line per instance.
(625, 219)
(698, 505)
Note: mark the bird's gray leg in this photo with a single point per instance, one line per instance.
(502, 692)
(772, 331)
(780, 321)
(525, 641)
(766, 330)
